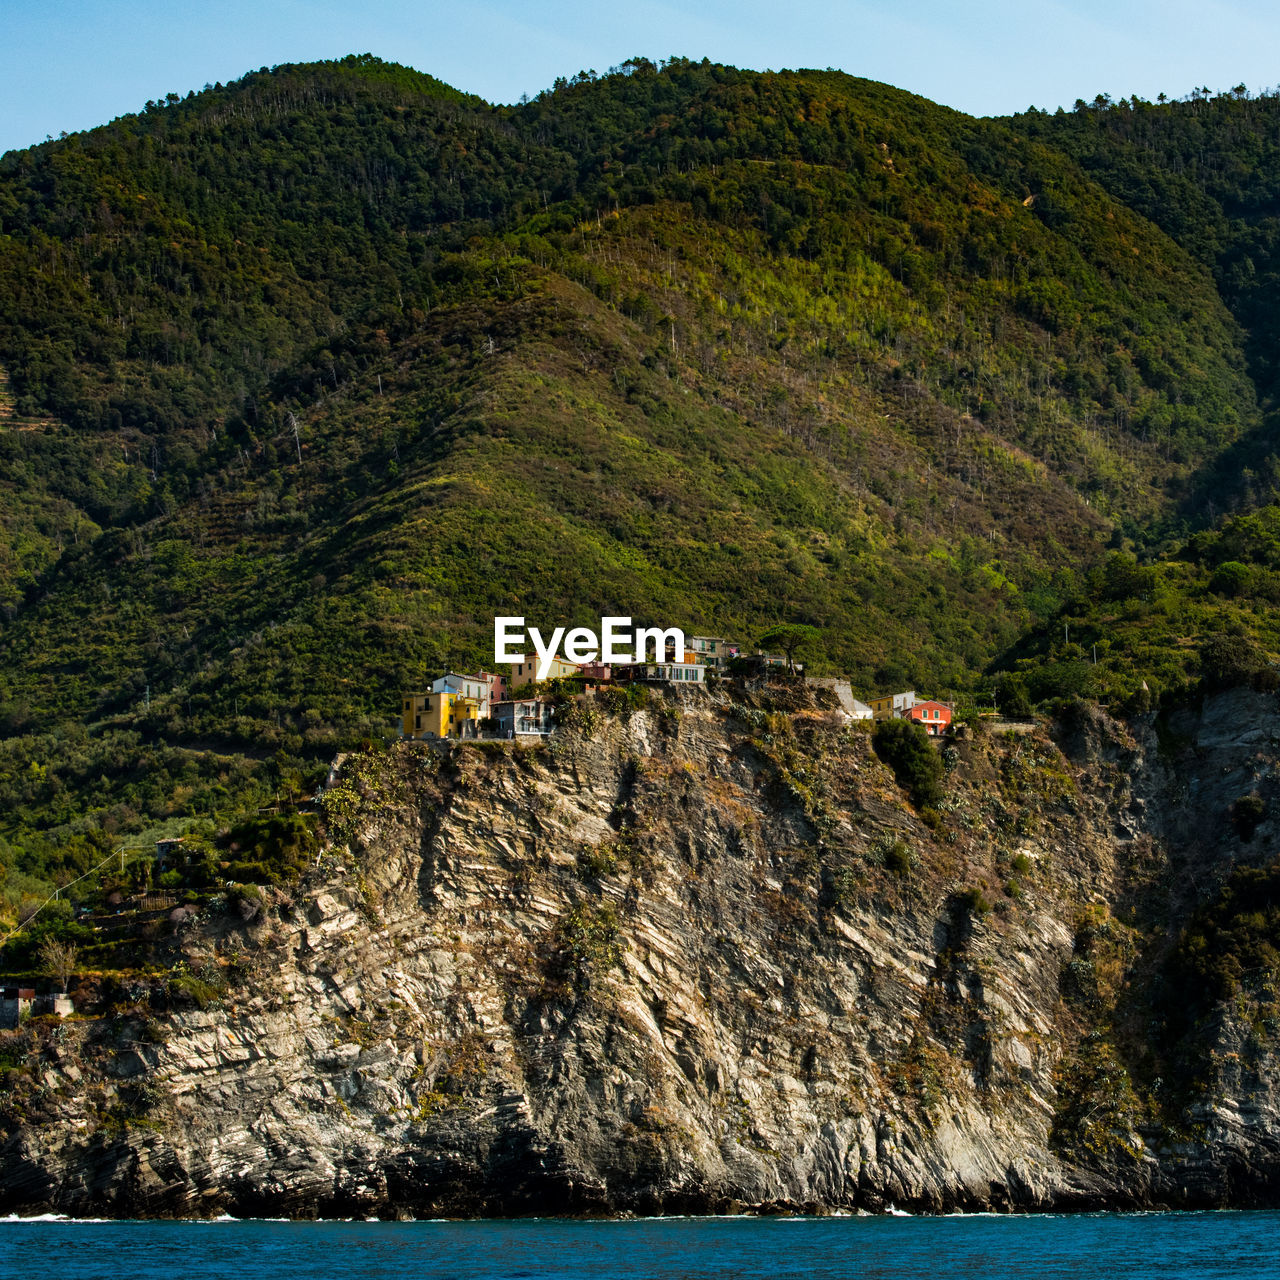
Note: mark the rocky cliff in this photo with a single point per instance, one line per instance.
(704, 957)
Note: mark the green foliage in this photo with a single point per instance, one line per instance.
(1247, 814)
(974, 902)
(621, 701)
(905, 747)
(1231, 941)
(1230, 658)
(1014, 700)
(1098, 1110)
(1204, 615)
(722, 346)
(1231, 578)
(597, 860)
(188, 988)
(51, 929)
(1214, 199)
(897, 858)
(793, 638)
(271, 850)
(590, 940)
(580, 718)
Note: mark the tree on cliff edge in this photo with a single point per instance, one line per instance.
(791, 638)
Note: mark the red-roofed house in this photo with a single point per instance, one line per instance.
(935, 716)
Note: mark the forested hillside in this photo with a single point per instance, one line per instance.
(311, 374)
(1203, 169)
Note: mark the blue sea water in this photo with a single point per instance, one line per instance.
(1166, 1246)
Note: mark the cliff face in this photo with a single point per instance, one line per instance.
(707, 957)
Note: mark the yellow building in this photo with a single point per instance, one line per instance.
(892, 704)
(439, 715)
(526, 670)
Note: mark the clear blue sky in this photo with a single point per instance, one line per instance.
(67, 65)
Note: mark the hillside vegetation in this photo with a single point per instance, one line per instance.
(311, 374)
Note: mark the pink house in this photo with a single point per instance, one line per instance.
(497, 686)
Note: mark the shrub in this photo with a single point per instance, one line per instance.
(1013, 698)
(1069, 679)
(1232, 579)
(615, 701)
(1230, 659)
(1246, 815)
(595, 861)
(905, 747)
(975, 902)
(271, 850)
(187, 987)
(590, 940)
(1230, 941)
(897, 858)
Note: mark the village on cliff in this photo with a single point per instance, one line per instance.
(515, 704)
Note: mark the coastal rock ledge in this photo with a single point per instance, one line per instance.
(707, 957)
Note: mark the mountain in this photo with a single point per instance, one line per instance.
(1204, 171)
(312, 374)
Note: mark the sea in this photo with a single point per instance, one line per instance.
(1150, 1246)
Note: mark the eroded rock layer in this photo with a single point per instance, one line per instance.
(703, 958)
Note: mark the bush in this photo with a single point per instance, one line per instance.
(590, 940)
(897, 858)
(615, 701)
(1230, 658)
(905, 747)
(1011, 693)
(1228, 942)
(246, 900)
(1068, 679)
(20, 952)
(271, 850)
(186, 987)
(1232, 579)
(1246, 815)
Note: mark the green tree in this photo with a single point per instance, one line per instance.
(905, 747)
(1231, 578)
(1011, 693)
(1230, 658)
(792, 638)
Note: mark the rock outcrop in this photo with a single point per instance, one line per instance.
(704, 958)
